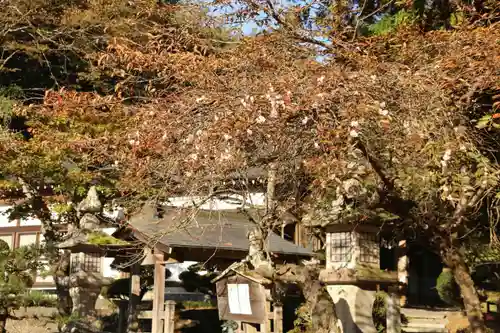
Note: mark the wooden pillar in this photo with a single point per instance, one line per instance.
(278, 319)
(158, 293)
(393, 311)
(403, 266)
(122, 316)
(266, 326)
(134, 299)
(169, 317)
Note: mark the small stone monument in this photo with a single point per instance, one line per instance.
(353, 274)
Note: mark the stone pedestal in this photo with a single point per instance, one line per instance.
(84, 300)
(354, 308)
(84, 291)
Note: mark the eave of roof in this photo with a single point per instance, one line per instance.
(203, 229)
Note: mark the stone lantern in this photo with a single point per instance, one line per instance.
(351, 246)
(353, 273)
(86, 279)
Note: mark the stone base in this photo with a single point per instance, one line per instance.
(84, 300)
(354, 308)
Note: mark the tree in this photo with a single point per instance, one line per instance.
(331, 24)
(382, 132)
(17, 270)
(71, 74)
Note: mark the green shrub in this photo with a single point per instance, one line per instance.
(65, 320)
(303, 321)
(39, 298)
(447, 288)
(188, 305)
(379, 312)
(390, 23)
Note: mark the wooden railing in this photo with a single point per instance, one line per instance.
(166, 317)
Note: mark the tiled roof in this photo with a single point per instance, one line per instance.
(206, 229)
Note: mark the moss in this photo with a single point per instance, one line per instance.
(101, 238)
(447, 288)
(373, 273)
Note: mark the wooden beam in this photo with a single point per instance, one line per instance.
(158, 292)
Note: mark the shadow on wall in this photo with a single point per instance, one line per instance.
(343, 311)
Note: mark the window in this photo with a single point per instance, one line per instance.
(341, 246)
(92, 262)
(87, 262)
(27, 239)
(369, 248)
(75, 263)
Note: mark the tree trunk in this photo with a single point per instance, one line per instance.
(320, 304)
(470, 297)
(3, 320)
(322, 309)
(61, 279)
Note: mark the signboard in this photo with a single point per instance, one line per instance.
(239, 299)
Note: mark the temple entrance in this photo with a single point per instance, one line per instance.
(424, 269)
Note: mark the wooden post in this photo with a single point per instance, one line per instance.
(134, 299)
(122, 316)
(266, 326)
(403, 263)
(169, 317)
(278, 319)
(158, 293)
(393, 311)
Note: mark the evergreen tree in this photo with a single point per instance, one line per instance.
(18, 269)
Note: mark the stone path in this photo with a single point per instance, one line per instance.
(425, 321)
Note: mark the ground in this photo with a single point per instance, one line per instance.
(188, 320)
(33, 320)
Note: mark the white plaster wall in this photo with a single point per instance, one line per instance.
(4, 218)
(253, 199)
(108, 231)
(45, 278)
(29, 221)
(107, 271)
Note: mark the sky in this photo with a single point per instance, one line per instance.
(251, 28)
